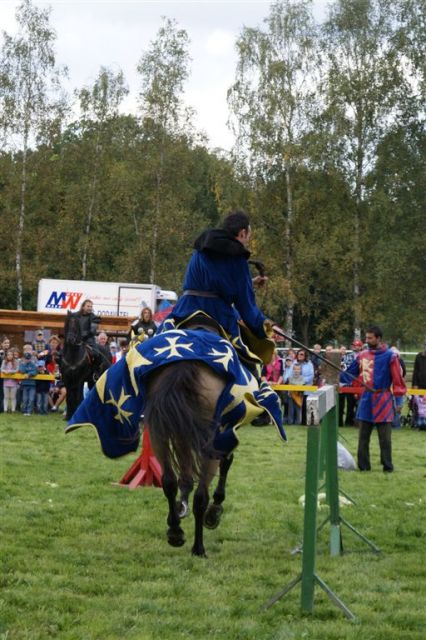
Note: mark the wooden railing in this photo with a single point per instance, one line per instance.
(15, 323)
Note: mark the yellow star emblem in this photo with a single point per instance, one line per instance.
(135, 359)
(118, 404)
(173, 348)
(265, 391)
(241, 393)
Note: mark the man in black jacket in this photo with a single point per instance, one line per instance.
(88, 322)
(419, 371)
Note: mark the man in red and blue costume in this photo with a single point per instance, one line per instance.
(379, 370)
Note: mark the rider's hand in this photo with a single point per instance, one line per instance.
(259, 281)
(268, 326)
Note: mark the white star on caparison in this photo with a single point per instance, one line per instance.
(222, 358)
(173, 348)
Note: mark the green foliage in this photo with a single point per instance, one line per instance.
(329, 162)
(84, 558)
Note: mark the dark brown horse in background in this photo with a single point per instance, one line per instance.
(79, 363)
(180, 405)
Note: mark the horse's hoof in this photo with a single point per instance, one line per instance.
(175, 538)
(199, 551)
(213, 515)
(183, 509)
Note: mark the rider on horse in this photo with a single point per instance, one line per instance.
(218, 287)
(89, 322)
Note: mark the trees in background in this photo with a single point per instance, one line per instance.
(273, 102)
(329, 160)
(29, 87)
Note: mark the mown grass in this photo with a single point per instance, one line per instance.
(83, 559)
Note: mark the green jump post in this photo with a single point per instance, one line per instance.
(314, 456)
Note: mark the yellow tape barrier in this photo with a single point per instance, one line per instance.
(298, 387)
(23, 376)
(277, 387)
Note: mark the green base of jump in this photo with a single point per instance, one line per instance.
(307, 595)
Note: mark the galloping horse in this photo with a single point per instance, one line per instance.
(194, 394)
(180, 407)
(79, 363)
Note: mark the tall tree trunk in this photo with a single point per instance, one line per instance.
(21, 225)
(289, 261)
(159, 181)
(89, 217)
(357, 228)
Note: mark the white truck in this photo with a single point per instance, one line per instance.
(109, 298)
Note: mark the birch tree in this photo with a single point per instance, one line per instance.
(272, 102)
(29, 97)
(364, 84)
(99, 104)
(163, 69)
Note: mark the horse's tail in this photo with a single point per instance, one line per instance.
(179, 412)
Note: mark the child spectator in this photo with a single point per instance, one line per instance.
(57, 393)
(17, 356)
(27, 366)
(53, 358)
(4, 348)
(9, 365)
(296, 397)
(42, 390)
(40, 346)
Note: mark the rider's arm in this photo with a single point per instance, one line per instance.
(245, 300)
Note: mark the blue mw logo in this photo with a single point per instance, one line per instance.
(64, 300)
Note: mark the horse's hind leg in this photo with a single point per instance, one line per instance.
(215, 509)
(175, 534)
(200, 504)
(186, 485)
(201, 500)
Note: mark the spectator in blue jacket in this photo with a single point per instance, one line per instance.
(28, 367)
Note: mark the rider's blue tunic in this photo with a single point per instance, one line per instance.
(228, 277)
(115, 405)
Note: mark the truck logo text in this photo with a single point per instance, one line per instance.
(64, 300)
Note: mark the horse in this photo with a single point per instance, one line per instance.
(79, 363)
(180, 405)
(193, 394)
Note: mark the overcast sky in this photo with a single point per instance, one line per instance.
(91, 33)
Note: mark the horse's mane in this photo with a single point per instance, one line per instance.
(72, 322)
(178, 413)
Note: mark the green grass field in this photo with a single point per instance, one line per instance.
(84, 559)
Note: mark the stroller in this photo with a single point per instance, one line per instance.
(419, 412)
(416, 416)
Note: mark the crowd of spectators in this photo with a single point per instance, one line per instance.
(31, 393)
(289, 366)
(41, 356)
(299, 367)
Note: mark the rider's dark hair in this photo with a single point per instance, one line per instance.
(376, 330)
(235, 222)
(83, 303)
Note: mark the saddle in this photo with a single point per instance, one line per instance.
(201, 321)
